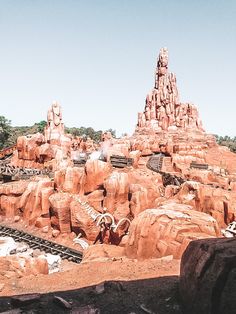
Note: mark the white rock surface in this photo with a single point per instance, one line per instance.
(7, 244)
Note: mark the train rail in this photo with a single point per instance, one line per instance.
(43, 245)
(155, 164)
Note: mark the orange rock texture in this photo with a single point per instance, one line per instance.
(150, 210)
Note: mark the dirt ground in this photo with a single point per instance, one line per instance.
(124, 286)
(88, 274)
(119, 286)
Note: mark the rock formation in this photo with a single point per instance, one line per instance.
(55, 128)
(167, 230)
(152, 207)
(53, 149)
(220, 203)
(163, 110)
(208, 277)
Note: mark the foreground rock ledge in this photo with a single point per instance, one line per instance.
(208, 277)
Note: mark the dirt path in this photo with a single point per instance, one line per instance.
(130, 287)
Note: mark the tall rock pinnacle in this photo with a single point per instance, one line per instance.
(163, 110)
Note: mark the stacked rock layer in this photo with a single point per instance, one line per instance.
(163, 110)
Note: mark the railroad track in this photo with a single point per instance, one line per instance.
(6, 152)
(155, 164)
(43, 245)
(10, 170)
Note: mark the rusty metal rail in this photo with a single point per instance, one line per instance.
(43, 245)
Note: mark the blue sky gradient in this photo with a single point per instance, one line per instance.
(97, 58)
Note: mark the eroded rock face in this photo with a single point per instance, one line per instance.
(222, 157)
(166, 126)
(217, 202)
(163, 110)
(116, 199)
(51, 149)
(82, 222)
(95, 199)
(26, 146)
(71, 180)
(167, 230)
(96, 172)
(169, 126)
(55, 128)
(60, 204)
(27, 199)
(139, 200)
(27, 151)
(208, 277)
(9, 205)
(144, 190)
(31, 200)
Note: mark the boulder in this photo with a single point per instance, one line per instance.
(208, 277)
(74, 180)
(144, 190)
(139, 200)
(46, 152)
(46, 193)
(167, 230)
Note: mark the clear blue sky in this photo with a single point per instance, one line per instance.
(97, 58)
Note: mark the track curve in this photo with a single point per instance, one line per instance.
(155, 162)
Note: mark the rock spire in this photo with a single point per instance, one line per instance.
(163, 110)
